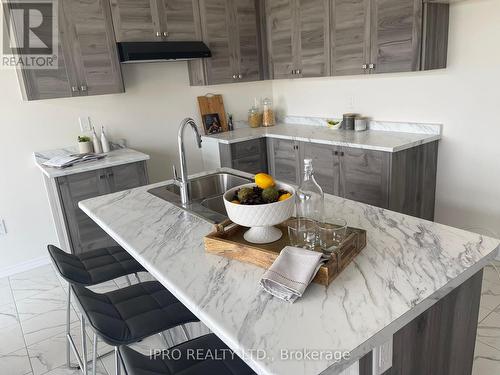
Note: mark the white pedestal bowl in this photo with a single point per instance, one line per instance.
(260, 218)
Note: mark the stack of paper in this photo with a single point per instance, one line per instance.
(69, 160)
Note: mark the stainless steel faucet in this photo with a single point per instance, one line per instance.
(183, 181)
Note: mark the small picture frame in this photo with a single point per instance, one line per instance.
(212, 124)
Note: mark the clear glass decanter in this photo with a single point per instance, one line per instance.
(310, 202)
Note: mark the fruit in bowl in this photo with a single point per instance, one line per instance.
(260, 206)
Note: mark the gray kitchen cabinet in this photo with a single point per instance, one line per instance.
(326, 165)
(84, 234)
(248, 156)
(87, 61)
(92, 43)
(364, 175)
(298, 38)
(136, 20)
(350, 41)
(403, 181)
(396, 35)
(232, 31)
(284, 160)
(386, 36)
(155, 20)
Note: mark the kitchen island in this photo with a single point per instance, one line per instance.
(408, 268)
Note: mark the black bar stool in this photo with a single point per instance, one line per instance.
(91, 268)
(195, 357)
(130, 314)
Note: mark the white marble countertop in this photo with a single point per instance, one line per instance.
(407, 265)
(113, 158)
(380, 140)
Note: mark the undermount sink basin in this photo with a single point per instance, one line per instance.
(206, 194)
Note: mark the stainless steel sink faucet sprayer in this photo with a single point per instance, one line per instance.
(183, 181)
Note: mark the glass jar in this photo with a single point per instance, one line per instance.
(254, 117)
(268, 113)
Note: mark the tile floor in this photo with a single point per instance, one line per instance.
(32, 326)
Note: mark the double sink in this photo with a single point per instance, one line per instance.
(206, 194)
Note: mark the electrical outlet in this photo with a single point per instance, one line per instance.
(84, 124)
(3, 228)
(382, 358)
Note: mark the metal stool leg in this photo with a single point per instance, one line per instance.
(84, 346)
(68, 327)
(94, 354)
(118, 364)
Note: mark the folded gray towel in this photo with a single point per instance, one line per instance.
(291, 273)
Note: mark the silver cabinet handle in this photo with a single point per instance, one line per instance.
(298, 71)
(234, 76)
(83, 88)
(74, 89)
(365, 66)
(158, 34)
(240, 76)
(165, 34)
(371, 66)
(294, 71)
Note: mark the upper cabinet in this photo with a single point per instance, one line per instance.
(350, 36)
(92, 43)
(136, 20)
(87, 61)
(396, 35)
(232, 31)
(155, 20)
(387, 36)
(298, 38)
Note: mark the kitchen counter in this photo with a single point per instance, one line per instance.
(113, 158)
(407, 266)
(379, 140)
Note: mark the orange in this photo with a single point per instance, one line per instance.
(264, 181)
(284, 197)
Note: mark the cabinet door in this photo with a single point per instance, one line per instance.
(284, 160)
(281, 16)
(350, 36)
(325, 163)
(39, 84)
(215, 22)
(248, 44)
(127, 176)
(135, 20)
(94, 52)
(180, 19)
(314, 50)
(396, 33)
(84, 233)
(365, 176)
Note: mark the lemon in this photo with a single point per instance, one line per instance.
(264, 181)
(284, 197)
(236, 201)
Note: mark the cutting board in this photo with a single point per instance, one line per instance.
(210, 104)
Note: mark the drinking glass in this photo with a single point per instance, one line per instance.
(303, 233)
(332, 233)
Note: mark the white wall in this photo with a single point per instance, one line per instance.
(464, 97)
(157, 98)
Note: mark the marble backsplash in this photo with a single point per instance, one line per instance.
(405, 127)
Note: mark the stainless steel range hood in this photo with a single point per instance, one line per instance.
(135, 52)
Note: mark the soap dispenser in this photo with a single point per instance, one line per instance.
(104, 141)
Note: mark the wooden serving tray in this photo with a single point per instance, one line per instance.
(228, 241)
